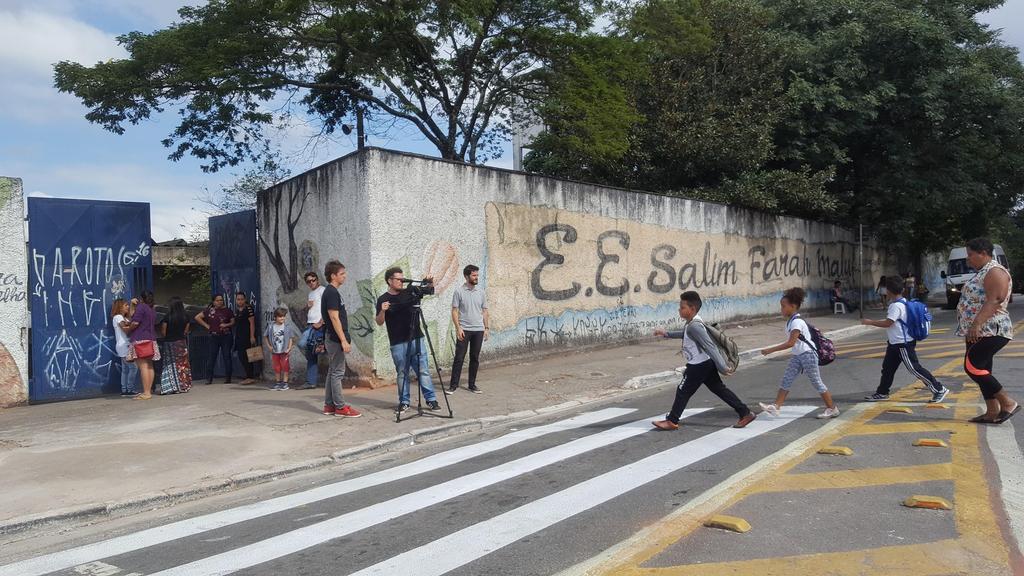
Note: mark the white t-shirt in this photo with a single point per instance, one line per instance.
(895, 333)
(121, 339)
(314, 315)
(692, 352)
(797, 323)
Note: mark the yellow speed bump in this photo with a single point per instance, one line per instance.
(936, 406)
(836, 451)
(900, 410)
(929, 502)
(931, 442)
(730, 523)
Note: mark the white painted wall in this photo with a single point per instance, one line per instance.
(433, 217)
(13, 295)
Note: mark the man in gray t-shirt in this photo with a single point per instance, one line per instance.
(471, 321)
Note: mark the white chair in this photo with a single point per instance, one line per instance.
(839, 308)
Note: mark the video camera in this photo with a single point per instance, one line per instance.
(419, 288)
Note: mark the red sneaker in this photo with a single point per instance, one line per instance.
(328, 410)
(348, 412)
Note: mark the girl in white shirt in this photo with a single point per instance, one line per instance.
(119, 312)
(804, 359)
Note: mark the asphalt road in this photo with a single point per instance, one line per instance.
(539, 498)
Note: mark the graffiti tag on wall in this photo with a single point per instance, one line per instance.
(544, 261)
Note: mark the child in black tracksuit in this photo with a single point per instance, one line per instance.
(900, 348)
(703, 362)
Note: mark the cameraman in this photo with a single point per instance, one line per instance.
(395, 308)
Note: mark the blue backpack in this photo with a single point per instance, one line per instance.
(919, 319)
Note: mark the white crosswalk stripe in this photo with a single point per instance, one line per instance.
(161, 534)
(321, 532)
(259, 550)
(466, 545)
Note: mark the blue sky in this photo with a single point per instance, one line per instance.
(45, 140)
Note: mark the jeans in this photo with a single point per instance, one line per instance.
(405, 355)
(129, 377)
(905, 354)
(312, 359)
(704, 373)
(220, 344)
(247, 367)
(335, 374)
(473, 341)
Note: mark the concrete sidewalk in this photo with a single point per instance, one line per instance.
(115, 455)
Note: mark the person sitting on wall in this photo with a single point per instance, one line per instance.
(836, 295)
(407, 346)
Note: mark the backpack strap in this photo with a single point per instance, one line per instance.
(801, 337)
(903, 325)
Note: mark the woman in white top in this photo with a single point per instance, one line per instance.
(804, 359)
(119, 312)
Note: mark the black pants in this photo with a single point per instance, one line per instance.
(905, 354)
(248, 367)
(978, 364)
(704, 373)
(220, 345)
(473, 341)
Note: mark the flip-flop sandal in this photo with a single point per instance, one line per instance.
(980, 419)
(1004, 415)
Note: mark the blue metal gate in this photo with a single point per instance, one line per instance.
(82, 255)
(234, 263)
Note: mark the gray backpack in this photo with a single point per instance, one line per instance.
(726, 345)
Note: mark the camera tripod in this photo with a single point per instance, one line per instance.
(415, 320)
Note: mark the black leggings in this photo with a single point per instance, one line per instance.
(978, 364)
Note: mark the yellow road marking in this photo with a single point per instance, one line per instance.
(858, 478)
(980, 549)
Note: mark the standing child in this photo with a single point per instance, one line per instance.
(703, 363)
(279, 339)
(119, 312)
(805, 357)
(900, 348)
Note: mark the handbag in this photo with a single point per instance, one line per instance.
(144, 349)
(254, 354)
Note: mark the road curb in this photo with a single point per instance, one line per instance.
(748, 358)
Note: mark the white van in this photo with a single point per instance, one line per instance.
(957, 272)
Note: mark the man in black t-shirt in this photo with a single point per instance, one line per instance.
(337, 342)
(407, 346)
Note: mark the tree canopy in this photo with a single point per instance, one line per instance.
(453, 69)
(907, 116)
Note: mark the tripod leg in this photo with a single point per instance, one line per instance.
(437, 365)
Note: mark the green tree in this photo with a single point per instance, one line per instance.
(917, 107)
(707, 93)
(452, 69)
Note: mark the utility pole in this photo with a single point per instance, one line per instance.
(360, 133)
(860, 268)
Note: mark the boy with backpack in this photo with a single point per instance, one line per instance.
(704, 361)
(905, 323)
(805, 357)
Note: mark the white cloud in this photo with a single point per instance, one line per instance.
(31, 42)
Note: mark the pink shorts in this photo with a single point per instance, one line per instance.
(281, 363)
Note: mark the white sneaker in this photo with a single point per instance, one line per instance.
(829, 413)
(771, 409)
